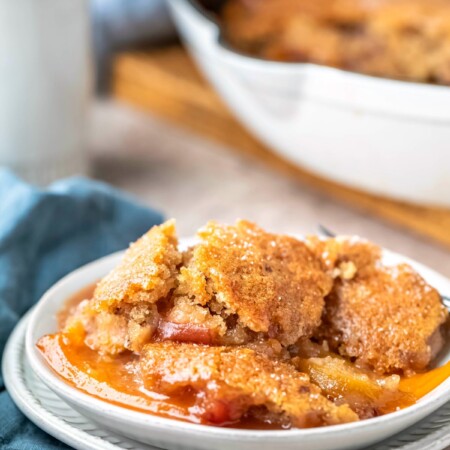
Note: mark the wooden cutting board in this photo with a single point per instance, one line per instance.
(166, 82)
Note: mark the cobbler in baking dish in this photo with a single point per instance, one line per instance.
(403, 39)
(252, 329)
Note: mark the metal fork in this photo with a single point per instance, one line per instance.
(325, 231)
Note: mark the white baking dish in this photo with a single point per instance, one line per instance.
(385, 136)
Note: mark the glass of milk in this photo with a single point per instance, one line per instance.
(45, 80)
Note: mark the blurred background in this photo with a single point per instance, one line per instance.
(104, 88)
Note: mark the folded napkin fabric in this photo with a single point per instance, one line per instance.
(45, 234)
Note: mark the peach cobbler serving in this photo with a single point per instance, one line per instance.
(404, 39)
(252, 329)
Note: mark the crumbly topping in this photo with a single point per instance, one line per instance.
(147, 272)
(243, 286)
(273, 283)
(390, 320)
(232, 380)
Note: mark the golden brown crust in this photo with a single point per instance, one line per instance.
(405, 39)
(346, 257)
(389, 320)
(146, 273)
(229, 381)
(122, 314)
(237, 282)
(241, 285)
(272, 283)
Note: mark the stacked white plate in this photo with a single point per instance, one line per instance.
(85, 422)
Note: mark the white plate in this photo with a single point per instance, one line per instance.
(49, 412)
(173, 434)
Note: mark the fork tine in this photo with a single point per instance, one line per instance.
(446, 301)
(325, 231)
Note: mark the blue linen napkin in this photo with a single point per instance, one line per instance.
(45, 234)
